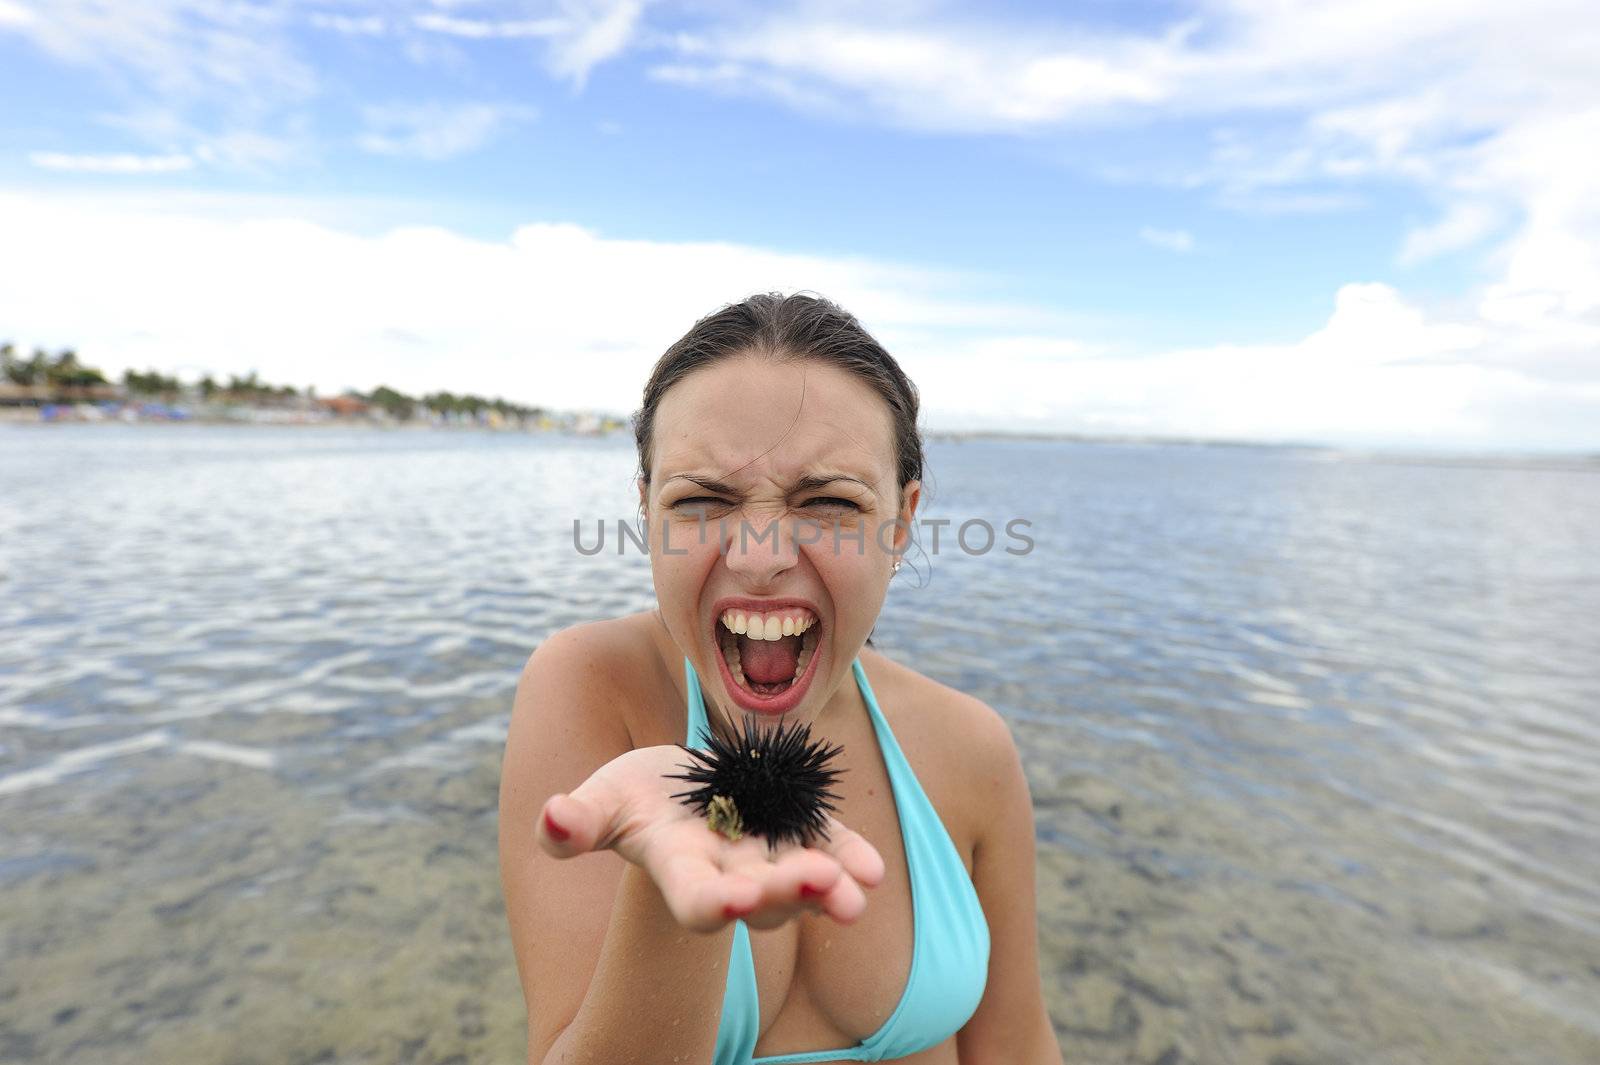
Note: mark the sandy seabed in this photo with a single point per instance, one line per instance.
(233, 920)
(238, 917)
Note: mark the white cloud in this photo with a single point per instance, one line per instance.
(1356, 96)
(14, 14)
(560, 315)
(1178, 240)
(964, 79)
(435, 131)
(111, 164)
(230, 72)
(601, 29)
(351, 25)
(250, 150)
(246, 149)
(554, 314)
(1490, 111)
(1379, 372)
(1356, 91)
(214, 81)
(1361, 62)
(224, 53)
(584, 34)
(487, 29)
(1463, 225)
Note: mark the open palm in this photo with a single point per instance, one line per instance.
(705, 879)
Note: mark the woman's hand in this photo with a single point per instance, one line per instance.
(705, 879)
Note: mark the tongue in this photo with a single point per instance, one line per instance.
(769, 661)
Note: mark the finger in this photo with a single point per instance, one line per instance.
(747, 854)
(834, 893)
(845, 901)
(569, 826)
(798, 879)
(783, 872)
(701, 897)
(858, 857)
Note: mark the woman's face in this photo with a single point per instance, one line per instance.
(772, 508)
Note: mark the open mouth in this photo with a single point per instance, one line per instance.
(767, 659)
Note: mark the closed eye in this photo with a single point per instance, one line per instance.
(832, 501)
(710, 501)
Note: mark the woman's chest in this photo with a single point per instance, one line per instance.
(821, 984)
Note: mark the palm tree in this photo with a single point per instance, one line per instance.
(68, 372)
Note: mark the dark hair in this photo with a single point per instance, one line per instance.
(787, 327)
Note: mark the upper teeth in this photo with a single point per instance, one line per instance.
(773, 626)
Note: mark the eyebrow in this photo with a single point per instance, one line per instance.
(804, 484)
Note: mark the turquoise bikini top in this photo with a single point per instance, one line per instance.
(950, 938)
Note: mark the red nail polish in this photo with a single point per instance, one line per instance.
(557, 833)
(731, 910)
(809, 892)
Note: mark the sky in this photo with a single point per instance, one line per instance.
(1361, 224)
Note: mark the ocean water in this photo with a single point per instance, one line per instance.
(1313, 739)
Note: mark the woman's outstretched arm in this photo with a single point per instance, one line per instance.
(594, 923)
(621, 901)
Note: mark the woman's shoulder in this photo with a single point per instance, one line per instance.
(603, 639)
(959, 746)
(930, 708)
(611, 667)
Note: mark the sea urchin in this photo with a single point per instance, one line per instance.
(771, 783)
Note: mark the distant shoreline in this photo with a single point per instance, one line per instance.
(1554, 461)
(960, 435)
(1580, 462)
(30, 420)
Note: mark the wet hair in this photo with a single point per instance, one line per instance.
(787, 327)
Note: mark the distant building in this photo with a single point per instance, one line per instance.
(345, 406)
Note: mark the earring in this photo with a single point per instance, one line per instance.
(894, 568)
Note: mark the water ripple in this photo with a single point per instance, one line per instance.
(1310, 736)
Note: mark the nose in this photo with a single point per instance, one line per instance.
(760, 549)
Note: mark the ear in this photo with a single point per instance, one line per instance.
(643, 515)
(910, 499)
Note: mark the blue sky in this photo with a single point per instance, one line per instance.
(1363, 223)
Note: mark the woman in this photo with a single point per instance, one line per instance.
(780, 472)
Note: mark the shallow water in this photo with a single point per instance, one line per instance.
(1312, 738)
